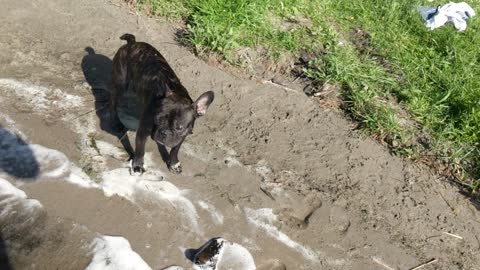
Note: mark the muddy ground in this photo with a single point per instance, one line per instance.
(265, 168)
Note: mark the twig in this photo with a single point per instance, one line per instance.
(378, 261)
(318, 94)
(83, 114)
(296, 79)
(281, 86)
(453, 235)
(266, 192)
(424, 264)
(433, 236)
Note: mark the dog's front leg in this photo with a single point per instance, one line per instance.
(137, 162)
(140, 141)
(173, 164)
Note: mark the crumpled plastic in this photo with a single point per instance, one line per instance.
(457, 13)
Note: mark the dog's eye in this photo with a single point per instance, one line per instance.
(179, 128)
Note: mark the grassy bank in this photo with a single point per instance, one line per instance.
(418, 90)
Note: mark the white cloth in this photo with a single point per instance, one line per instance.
(457, 13)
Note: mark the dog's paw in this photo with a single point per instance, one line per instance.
(136, 170)
(176, 168)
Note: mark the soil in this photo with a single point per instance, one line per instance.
(340, 199)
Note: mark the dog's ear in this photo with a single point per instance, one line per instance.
(202, 103)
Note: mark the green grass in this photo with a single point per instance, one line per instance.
(431, 75)
(223, 26)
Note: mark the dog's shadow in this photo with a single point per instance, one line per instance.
(97, 69)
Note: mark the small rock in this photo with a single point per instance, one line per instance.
(339, 219)
(296, 212)
(309, 205)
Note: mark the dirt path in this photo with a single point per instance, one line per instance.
(265, 168)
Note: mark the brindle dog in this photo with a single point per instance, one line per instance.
(148, 97)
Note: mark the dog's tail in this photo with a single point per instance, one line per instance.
(129, 38)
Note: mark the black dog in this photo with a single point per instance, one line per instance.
(148, 97)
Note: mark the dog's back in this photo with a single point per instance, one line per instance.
(148, 69)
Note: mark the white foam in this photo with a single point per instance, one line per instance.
(264, 218)
(217, 217)
(47, 164)
(85, 127)
(108, 149)
(13, 126)
(115, 253)
(149, 185)
(235, 257)
(80, 178)
(121, 182)
(7, 189)
(231, 256)
(12, 197)
(41, 98)
(36, 161)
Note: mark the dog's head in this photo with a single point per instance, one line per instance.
(175, 117)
